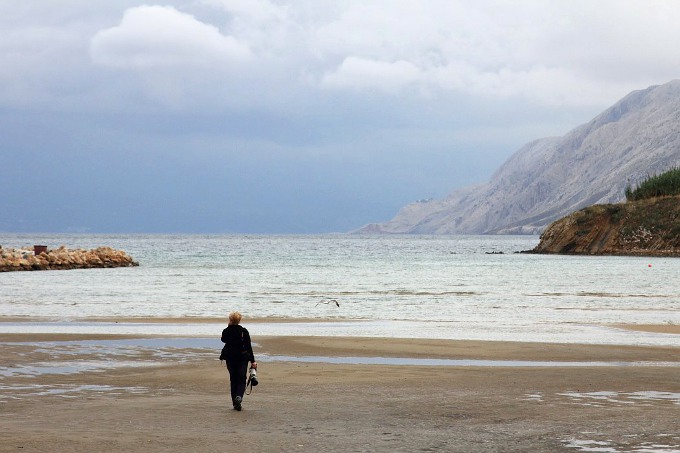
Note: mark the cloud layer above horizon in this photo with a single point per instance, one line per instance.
(306, 116)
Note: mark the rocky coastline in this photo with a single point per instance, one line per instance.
(40, 258)
(640, 228)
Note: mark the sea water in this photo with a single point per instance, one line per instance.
(459, 287)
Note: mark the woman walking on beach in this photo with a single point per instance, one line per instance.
(237, 352)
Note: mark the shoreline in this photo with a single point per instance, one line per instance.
(175, 320)
(652, 328)
(643, 335)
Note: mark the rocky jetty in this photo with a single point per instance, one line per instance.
(639, 228)
(39, 258)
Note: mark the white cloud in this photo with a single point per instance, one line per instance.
(371, 74)
(554, 53)
(259, 11)
(161, 36)
(265, 26)
(282, 55)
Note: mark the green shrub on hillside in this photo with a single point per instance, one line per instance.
(665, 184)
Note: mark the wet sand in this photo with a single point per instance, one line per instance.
(180, 402)
(654, 328)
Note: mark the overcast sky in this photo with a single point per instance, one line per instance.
(309, 116)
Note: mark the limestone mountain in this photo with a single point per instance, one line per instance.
(551, 177)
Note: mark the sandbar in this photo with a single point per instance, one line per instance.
(654, 328)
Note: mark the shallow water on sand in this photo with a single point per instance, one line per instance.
(79, 356)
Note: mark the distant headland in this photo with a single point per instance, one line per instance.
(551, 177)
(39, 258)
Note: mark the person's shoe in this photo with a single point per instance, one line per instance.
(237, 403)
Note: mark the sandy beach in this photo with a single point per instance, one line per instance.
(622, 398)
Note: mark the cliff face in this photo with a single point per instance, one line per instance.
(646, 227)
(552, 177)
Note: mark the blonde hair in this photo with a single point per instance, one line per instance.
(234, 318)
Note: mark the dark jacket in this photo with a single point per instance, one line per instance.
(237, 345)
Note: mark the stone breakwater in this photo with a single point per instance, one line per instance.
(41, 259)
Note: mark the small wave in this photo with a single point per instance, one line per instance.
(619, 295)
(218, 291)
(602, 295)
(390, 292)
(621, 309)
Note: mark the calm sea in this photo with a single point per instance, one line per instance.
(406, 286)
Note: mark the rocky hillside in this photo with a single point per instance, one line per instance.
(647, 227)
(552, 177)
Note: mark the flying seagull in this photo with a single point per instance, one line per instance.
(328, 301)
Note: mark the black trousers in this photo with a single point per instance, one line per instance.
(237, 377)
